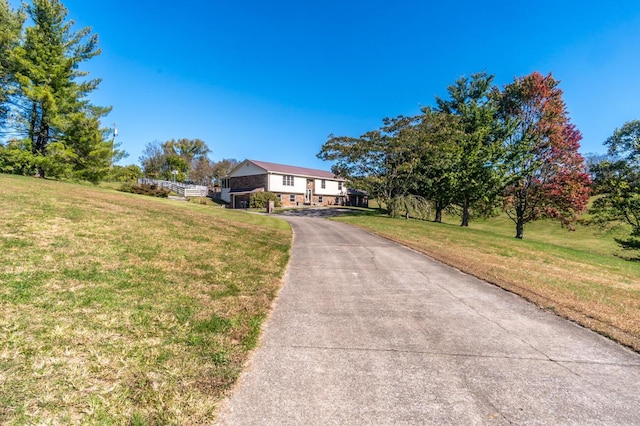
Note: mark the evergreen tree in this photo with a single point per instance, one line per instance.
(51, 106)
(10, 28)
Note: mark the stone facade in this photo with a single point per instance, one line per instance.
(249, 182)
(285, 200)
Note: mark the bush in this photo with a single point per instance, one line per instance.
(16, 158)
(124, 173)
(259, 200)
(152, 190)
(410, 206)
(200, 200)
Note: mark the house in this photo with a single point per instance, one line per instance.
(294, 186)
(357, 198)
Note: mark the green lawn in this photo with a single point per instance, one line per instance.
(124, 309)
(579, 275)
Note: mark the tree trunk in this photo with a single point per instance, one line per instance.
(519, 227)
(35, 135)
(521, 208)
(439, 208)
(465, 213)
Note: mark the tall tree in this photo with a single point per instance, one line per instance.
(545, 174)
(94, 155)
(223, 167)
(187, 149)
(478, 147)
(618, 182)
(159, 160)
(152, 160)
(201, 171)
(52, 100)
(439, 135)
(380, 161)
(10, 29)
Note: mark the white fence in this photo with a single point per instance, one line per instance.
(177, 187)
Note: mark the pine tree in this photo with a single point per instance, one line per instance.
(52, 105)
(10, 28)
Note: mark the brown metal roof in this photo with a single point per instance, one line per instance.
(244, 191)
(293, 170)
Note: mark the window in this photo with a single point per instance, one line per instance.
(225, 183)
(323, 184)
(287, 180)
(320, 199)
(339, 186)
(292, 198)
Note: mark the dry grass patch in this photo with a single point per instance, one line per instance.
(124, 309)
(577, 274)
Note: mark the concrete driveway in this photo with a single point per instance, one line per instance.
(366, 331)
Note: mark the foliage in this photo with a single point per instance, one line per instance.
(592, 161)
(128, 173)
(187, 149)
(410, 206)
(479, 148)
(152, 190)
(201, 171)
(625, 143)
(438, 134)
(619, 183)
(223, 167)
(48, 97)
(43, 95)
(10, 29)
(380, 162)
(544, 173)
(259, 200)
(472, 171)
(159, 160)
(17, 158)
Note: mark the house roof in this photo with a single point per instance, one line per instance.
(294, 170)
(244, 191)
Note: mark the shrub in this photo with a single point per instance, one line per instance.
(152, 190)
(410, 206)
(259, 200)
(124, 173)
(200, 200)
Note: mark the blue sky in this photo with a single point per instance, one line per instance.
(271, 80)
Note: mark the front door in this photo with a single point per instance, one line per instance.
(308, 194)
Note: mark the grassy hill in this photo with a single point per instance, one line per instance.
(125, 309)
(579, 275)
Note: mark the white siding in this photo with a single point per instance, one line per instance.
(225, 195)
(331, 188)
(247, 169)
(299, 184)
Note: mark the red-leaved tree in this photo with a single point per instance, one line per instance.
(545, 174)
